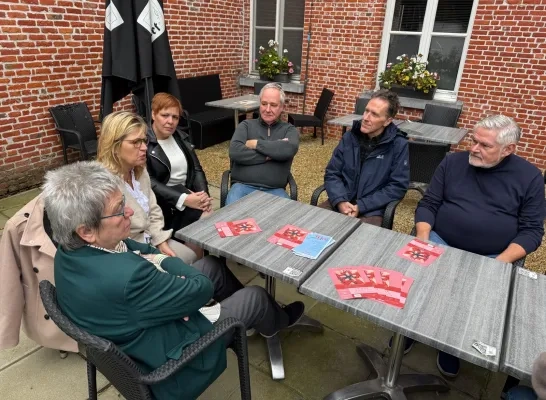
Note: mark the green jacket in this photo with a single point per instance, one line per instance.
(122, 297)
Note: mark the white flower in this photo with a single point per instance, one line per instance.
(399, 58)
(274, 62)
(271, 43)
(261, 48)
(413, 59)
(285, 51)
(270, 55)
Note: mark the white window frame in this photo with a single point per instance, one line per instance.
(424, 44)
(279, 11)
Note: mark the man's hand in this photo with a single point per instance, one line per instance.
(251, 144)
(422, 230)
(355, 211)
(345, 207)
(512, 253)
(165, 249)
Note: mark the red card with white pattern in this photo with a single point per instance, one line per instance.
(288, 236)
(420, 252)
(235, 228)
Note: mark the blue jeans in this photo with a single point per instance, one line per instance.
(240, 190)
(521, 393)
(434, 237)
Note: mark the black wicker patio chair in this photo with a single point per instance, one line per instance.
(123, 373)
(317, 119)
(76, 128)
(226, 184)
(424, 158)
(388, 216)
(441, 115)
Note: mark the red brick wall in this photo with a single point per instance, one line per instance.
(51, 51)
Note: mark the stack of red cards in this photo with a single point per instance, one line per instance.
(288, 236)
(383, 285)
(422, 253)
(236, 228)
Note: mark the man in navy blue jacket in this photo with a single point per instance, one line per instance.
(369, 168)
(487, 201)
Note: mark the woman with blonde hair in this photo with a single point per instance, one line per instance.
(122, 149)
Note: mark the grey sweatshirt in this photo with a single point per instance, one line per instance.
(269, 164)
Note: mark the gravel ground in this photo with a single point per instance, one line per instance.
(308, 170)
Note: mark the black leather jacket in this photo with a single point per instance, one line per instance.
(159, 168)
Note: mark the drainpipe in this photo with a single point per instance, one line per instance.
(307, 58)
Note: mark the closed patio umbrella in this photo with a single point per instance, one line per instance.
(136, 53)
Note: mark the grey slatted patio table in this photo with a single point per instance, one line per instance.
(525, 335)
(246, 103)
(433, 133)
(271, 214)
(457, 300)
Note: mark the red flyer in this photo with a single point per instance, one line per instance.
(235, 228)
(420, 252)
(288, 236)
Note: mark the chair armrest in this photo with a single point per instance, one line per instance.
(388, 216)
(173, 366)
(316, 194)
(293, 187)
(80, 140)
(224, 187)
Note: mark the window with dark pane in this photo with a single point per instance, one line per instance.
(409, 15)
(453, 16)
(292, 41)
(293, 13)
(266, 12)
(444, 57)
(402, 44)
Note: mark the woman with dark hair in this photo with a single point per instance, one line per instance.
(178, 180)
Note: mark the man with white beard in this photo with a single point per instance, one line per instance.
(487, 201)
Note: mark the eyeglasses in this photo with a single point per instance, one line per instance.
(119, 214)
(137, 143)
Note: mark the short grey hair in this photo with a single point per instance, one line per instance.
(276, 86)
(75, 195)
(508, 131)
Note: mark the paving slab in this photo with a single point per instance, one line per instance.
(22, 350)
(349, 325)
(244, 274)
(453, 394)
(10, 212)
(471, 379)
(18, 200)
(318, 364)
(3, 220)
(110, 393)
(45, 376)
(285, 293)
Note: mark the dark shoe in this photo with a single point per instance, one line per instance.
(295, 311)
(448, 365)
(408, 346)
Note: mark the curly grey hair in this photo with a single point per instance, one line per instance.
(508, 131)
(76, 195)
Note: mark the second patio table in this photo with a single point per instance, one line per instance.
(254, 251)
(459, 299)
(246, 103)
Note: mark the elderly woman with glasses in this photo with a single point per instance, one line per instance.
(148, 304)
(122, 149)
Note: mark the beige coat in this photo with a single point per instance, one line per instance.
(141, 222)
(26, 258)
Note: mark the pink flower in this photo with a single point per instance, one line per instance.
(291, 71)
(290, 64)
(255, 60)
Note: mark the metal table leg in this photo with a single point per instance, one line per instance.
(388, 383)
(236, 118)
(274, 344)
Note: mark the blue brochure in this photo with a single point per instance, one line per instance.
(313, 245)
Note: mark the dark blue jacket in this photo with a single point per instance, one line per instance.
(384, 176)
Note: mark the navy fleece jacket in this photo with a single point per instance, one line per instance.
(483, 210)
(384, 176)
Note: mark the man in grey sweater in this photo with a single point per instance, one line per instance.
(262, 150)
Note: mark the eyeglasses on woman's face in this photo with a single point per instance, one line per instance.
(137, 143)
(121, 209)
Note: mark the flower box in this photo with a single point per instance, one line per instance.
(282, 77)
(410, 91)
